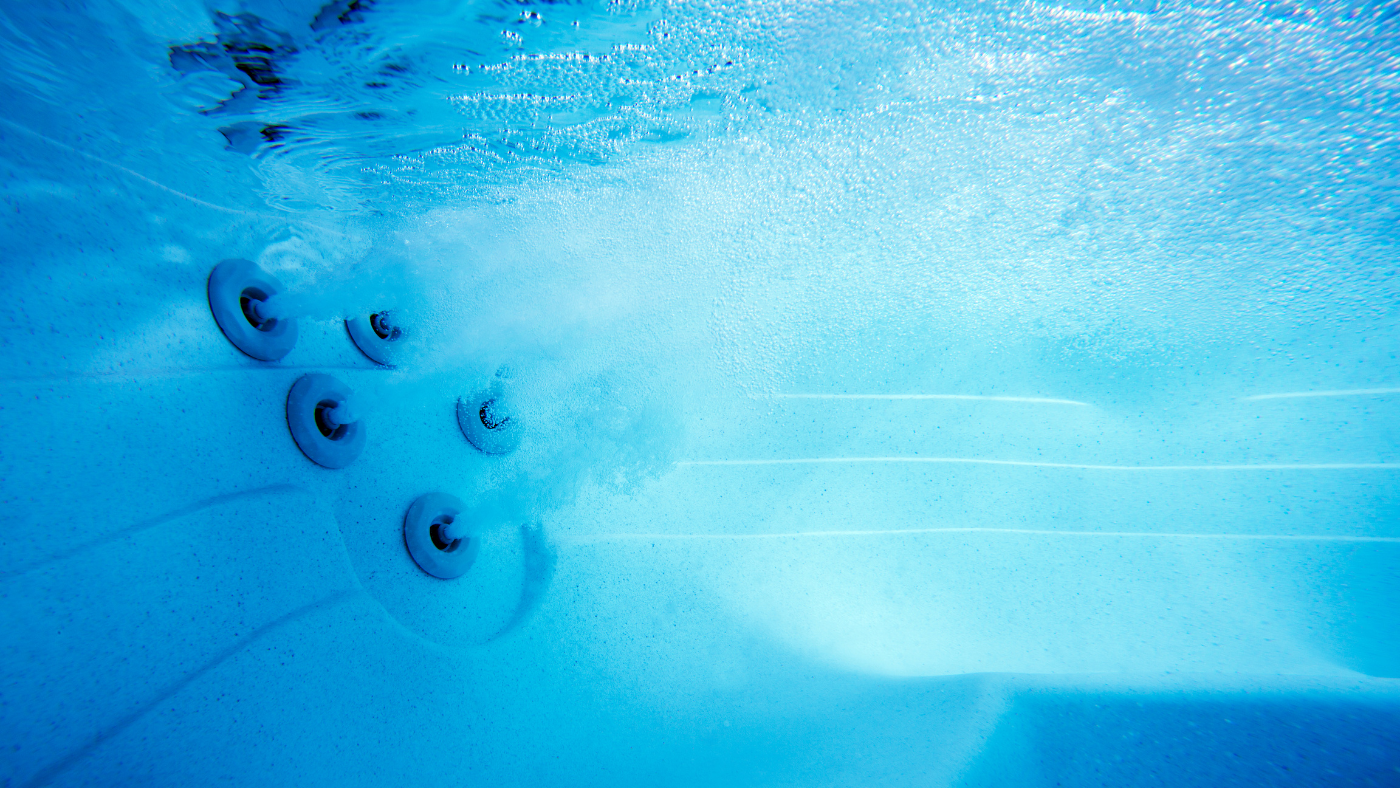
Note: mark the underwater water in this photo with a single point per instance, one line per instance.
(868, 393)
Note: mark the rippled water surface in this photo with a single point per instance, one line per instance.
(858, 345)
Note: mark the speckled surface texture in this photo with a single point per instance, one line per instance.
(899, 394)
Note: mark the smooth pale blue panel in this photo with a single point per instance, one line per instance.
(1127, 271)
(1191, 738)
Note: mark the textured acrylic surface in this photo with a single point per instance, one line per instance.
(911, 394)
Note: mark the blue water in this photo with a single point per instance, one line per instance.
(908, 394)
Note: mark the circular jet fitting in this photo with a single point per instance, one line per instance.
(318, 414)
(378, 336)
(440, 541)
(237, 291)
(486, 424)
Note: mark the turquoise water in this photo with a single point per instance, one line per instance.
(905, 394)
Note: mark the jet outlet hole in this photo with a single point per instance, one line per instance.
(383, 328)
(325, 423)
(250, 301)
(435, 532)
(489, 419)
